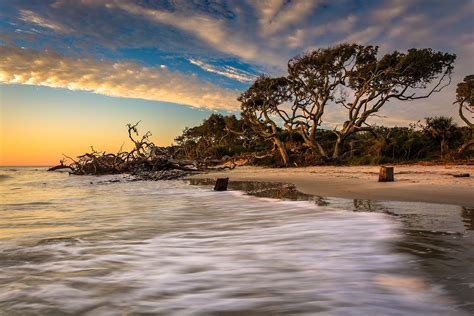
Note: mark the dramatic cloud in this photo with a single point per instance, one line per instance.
(118, 79)
(183, 34)
(227, 71)
(214, 31)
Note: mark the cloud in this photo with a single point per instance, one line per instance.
(365, 36)
(30, 16)
(227, 71)
(214, 31)
(340, 26)
(392, 9)
(263, 34)
(89, 27)
(278, 15)
(118, 79)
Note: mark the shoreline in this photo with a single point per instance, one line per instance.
(413, 183)
(434, 209)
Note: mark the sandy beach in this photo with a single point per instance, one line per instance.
(415, 183)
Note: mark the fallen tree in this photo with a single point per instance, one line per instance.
(146, 160)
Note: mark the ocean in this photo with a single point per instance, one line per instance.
(84, 245)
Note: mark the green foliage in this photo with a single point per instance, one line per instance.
(443, 131)
(441, 127)
(218, 136)
(465, 90)
(284, 115)
(465, 99)
(359, 81)
(261, 107)
(419, 142)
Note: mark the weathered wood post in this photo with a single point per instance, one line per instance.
(221, 184)
(386, 174)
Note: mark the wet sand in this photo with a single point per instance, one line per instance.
(413, 183)
(438, 237)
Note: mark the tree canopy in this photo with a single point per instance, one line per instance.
(465, 99)
(351, 77)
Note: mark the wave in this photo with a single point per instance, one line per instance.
(170, 248)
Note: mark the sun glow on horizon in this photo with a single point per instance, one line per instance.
(39, 125)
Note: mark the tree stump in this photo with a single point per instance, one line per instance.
(221, 184)
(386, 174)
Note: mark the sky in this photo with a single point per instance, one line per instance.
(73, 73)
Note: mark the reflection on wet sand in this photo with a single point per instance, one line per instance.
(366, 206)
(440, 236)
(281, 191)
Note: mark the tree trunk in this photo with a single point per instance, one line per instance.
(312, 143)
(282, 150)
(337, 147)
(317, 149)
(465, 146)
(321, 150)
(443, 146)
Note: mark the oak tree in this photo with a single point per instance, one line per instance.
(356, 78)
(262, 107)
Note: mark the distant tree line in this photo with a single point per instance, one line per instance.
(284, 120)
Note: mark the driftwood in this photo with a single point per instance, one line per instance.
(60, 166)
(145, 157)
(461, 175)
